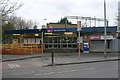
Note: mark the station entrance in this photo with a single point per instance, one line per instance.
(60, 42)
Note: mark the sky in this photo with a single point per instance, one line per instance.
(53, 10)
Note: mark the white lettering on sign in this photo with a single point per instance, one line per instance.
(107, 37)
(94, 37)
(59, 30)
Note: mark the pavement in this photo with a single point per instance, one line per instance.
(64, 58)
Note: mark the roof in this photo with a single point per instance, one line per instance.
(59, 25)
(58, 30)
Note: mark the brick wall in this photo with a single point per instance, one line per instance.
(57, 25)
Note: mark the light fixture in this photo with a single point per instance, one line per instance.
(48, 33)
(16, 34)
(68, 33)
(36, 34)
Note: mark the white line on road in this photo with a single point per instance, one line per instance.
(45, 73)
(10, 66)
(63, 71)
(38, 74)
(13, 65)
(50, 73)
(88, 69)
(17, 65)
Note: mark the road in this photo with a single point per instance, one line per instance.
(89, 70)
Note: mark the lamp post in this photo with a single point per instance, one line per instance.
(79, 27)
(44, 23)
(105, 29)
(65, 22)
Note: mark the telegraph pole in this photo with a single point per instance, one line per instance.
(105, 29)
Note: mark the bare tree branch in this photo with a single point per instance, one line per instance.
(8, 7)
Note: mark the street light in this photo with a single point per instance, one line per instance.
(66, 22)
(105, 28)
(43, 26)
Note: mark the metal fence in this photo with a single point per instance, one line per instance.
(21, 48)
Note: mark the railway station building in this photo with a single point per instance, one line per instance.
(65, 39)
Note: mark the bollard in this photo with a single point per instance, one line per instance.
(52, 58)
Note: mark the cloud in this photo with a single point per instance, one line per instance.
(53, 10)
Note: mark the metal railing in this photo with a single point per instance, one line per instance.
(21, 48)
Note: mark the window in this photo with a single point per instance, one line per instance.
(55, 40)
(29, 40)
(33, 40)
(50, 40)
(38, 40)
(25, 40)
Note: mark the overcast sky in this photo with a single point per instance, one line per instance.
(53, 10)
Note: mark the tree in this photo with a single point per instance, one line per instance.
(35, 26)
(19, 23)
(64, 20)
(16, 23)
(8, 7)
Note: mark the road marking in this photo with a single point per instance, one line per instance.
(74, 70)
(89, 69)
(63, 71)
(13, 65)
(45, 73)
(17, 65)
(50, 73)
(10, 66)
(38, 74)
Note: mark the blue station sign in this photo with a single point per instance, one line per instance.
(85, 46)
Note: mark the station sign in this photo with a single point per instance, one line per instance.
(107, 37)
(60, 30)
(86, 46)
(50, 30)
(95, 37)
(100, 37)
(56, 30)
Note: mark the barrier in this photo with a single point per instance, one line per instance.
(21, 48)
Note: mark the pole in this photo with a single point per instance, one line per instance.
(79, 25)
(105, 28)
(107, 23)
(52, 55)
(1, 44)
(65, 22)
(90, 22)
(79, 44)
(95, 21)
(42, 46)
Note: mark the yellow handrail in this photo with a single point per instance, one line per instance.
(21, 45)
